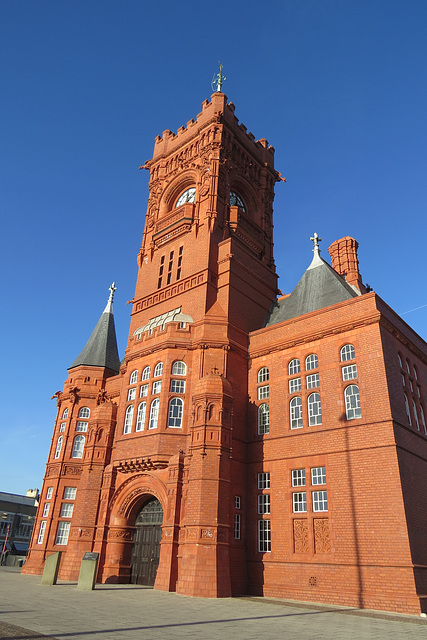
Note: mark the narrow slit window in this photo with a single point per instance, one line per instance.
(179, 267)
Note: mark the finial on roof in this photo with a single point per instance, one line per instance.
(218, 79)
(315, 239)
(112, 290)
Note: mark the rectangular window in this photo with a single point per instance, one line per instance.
(237, 522)
(49, 493)
(157, 386)
(162, 266)
(294, 385)
(263, 481)
(298, 477)
(264, 503)
(62, 532)
(41, 532)
(350, 372)
(46, 510)
(237, 502)
(143, 391)
(299, 501)
(62, 427)
(170, 265)
(263, 392)
(81, 426)
(312, 381)
(177, 386)
(178, 271)
(318, 475)
(66, 510)
(70, 493)
(320, 501)
(132, 393)
(264, 536)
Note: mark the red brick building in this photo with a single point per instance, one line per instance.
(246, 444)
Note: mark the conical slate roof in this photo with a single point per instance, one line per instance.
(319, 287)
(101, 348)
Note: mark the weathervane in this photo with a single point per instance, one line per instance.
(218, 79)
(112, 290)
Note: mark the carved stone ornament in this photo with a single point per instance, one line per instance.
(52, 470)
(71, 470)
(132, 496)
(322, 539)
(58, 396)
(301, 536)
(120, 534)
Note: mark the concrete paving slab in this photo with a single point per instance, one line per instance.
(113, 612)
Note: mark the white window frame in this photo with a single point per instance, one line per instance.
(263, 480)
(127, 427)
(133, 379)
(298, 478)
(143, 392)
(177, 386)
(264, 536)
(318, 475)
(131, 394)
(42, 530)
(158, 370)
(295, 411)
(176, 409)
(49, 493)
(154, 414)
(264, 392)
(349, 372)
(81, 426)
(414, 409)
(264, 503)
(263, 374)
(46, 510)
(237, 526)
(84, 412)
(263, 419)
(294, 367)
(67, 509)
(299, 502)
(320, 501)
(58, 447)
(179, 368)
(78, 447)
(294, 385)
(157, 387)
(62, 532)
(347, 352)
(237, 502)
(146, 373)
(312, 381)
(311, 362)
(64, 414)
(70, 493)
(352, 407)
(314, 408)
(62, 427)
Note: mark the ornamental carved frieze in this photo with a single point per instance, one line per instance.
(100, 534)
(132, 496)
(208, 534)
(301, 536)
(52, 470)
(71, 470)
(322, 538)
(120, 534)
(139, 465)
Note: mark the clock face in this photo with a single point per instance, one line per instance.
(236, 201)
(188, 196)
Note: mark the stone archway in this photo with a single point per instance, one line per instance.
(146, 543)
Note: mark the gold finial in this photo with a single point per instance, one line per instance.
(112, 290)
(218, 79)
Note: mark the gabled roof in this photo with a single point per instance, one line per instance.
(101, 348)
(319, 287)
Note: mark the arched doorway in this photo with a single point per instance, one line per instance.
(146, 543)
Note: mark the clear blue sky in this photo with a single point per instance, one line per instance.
(338, 88)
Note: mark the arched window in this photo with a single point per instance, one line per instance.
(65, 414)
(263, 419)
(84, 412)
(146, 374)
(314, 409)
(154, 414)
(236, 201)
(188, 196)
(140, 417)
(263, 374)
(58, 447)
(179, 368)
(415, 372)
(347, 353)
(352, 402)
(414, 408)
(423, 420)
(296, 413)
(175, 412)
(133, 377)
(311, 362)
(78, 446)
(408, 413)
(408, 368)
(158, 369)
(128, 419)
(294, 366)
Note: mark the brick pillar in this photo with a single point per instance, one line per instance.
(344, 260)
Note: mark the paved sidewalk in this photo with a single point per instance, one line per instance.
(29, 610)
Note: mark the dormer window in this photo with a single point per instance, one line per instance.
(236, 201)
(188, 196)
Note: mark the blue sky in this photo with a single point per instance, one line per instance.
(338, 88)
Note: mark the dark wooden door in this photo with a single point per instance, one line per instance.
(146, 543)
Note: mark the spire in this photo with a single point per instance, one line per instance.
(101, 348)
